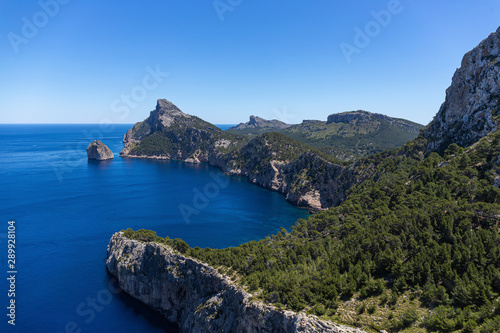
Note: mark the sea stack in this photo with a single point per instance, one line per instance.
(99, 151)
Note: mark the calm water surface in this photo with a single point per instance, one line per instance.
(66, 208)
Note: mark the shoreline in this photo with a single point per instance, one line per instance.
(311, 210)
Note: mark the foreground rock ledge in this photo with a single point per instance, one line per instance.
(195, 295)
(99, 151)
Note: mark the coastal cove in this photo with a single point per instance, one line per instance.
(66, 208)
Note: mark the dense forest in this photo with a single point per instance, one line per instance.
(416, 247)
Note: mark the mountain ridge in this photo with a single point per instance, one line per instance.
(347, 136)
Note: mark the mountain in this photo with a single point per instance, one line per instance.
(257, 125)
(170, 133)
(472, 106)
(414, 246)
(352, 135)
(346, 136)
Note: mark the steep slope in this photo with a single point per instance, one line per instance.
(472, 106)
(195, 295)
(303, 175)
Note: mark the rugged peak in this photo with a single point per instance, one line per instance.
(165, 114)
(254, 120)
(164, 105)
(258, 122)
(472, 104)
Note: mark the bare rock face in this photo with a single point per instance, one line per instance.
(196, 296)
(99, 151)
(472, 104)
(309, 180)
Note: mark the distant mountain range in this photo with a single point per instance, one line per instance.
(258, 125)
(346, 136)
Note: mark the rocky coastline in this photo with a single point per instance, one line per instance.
(196, 296)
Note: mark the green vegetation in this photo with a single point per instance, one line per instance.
(195, 135)
(347, 140)
(416, 247)
(150, 236)
(259, 151)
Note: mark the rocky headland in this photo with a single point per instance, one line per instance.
(197, 296)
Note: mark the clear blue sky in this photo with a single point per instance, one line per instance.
(275, 59)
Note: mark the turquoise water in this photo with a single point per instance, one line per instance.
(66, 208)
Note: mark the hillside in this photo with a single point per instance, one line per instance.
(415, 244)
(347, 136)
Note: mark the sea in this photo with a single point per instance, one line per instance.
(61, 210)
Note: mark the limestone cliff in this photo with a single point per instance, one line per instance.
(271, 160)
(472, 105)
(196, 296)
(97, 150)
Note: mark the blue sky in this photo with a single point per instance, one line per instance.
(92, 61)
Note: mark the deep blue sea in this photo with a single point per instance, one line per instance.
(66, 208)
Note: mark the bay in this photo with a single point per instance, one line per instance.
(66, 208)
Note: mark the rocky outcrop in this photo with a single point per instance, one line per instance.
(99, 151)
(472, 105)
(258, 122)
(196, 296)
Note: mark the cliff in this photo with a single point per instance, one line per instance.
(274, 161)
(471, 108)
(195, 295)
(97, 150)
